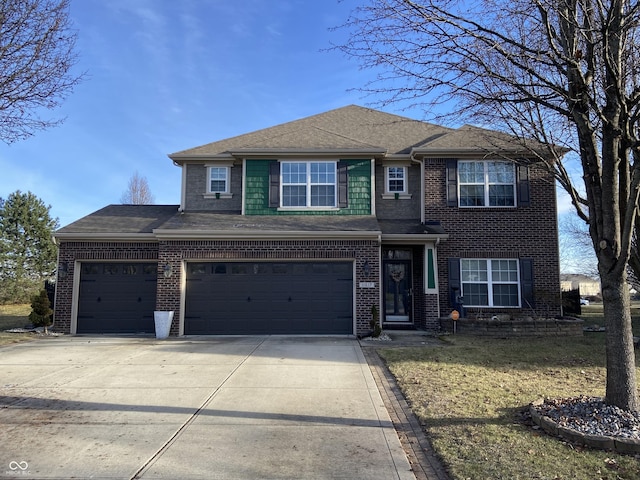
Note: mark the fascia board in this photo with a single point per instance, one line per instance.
(315, 152)
(280, 153)
(409, 239)
(469, 152)
(198, 158)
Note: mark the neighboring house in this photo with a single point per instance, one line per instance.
(303, 227)
(588, 286)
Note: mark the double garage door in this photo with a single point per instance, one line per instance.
(222, 298)
(269, 298)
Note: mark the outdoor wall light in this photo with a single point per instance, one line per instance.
(366, 268)
(168, 270)
(63, 270)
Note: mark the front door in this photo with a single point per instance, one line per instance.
(398, 303)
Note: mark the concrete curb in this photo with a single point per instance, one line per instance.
(620, 445)
(421, 456)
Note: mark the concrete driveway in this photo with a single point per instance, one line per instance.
(195, 407)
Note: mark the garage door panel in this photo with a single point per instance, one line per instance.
(265, 298)
(117, 298)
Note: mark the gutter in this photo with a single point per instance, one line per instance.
(264, 153)
(412, 239)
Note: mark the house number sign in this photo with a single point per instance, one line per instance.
(367, 284)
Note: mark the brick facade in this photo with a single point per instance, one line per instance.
(71, 252)
(520, 232)
(174, 253)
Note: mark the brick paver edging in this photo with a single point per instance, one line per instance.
(424, 463)
(620, 445)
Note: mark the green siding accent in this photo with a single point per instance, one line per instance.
(256, 192)
(431, 276)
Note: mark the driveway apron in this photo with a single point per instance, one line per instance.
(263, 407)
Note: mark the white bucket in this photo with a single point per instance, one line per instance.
(163, 323)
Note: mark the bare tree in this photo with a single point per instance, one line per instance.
(562, 72)
(137, 192)
(576, 251)
(36, 57)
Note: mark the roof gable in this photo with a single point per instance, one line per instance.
(350, 128)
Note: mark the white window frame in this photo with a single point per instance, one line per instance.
(490, 282)
(486, 184)
(226, 193)
(388, 180)
(308, 184)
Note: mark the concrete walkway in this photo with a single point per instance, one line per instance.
(195, 407)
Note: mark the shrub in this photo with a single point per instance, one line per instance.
(41, 314)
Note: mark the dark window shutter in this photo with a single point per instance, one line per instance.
(343, 184)
(524, 199)
(526, 283)
(274, 184)
(455, 287)
(452, 183)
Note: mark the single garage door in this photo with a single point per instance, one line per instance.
(117, 298)
(269, 298)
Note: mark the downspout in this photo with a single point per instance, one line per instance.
(55, 291)
(183, 182)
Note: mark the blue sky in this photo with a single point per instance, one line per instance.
(166, 75)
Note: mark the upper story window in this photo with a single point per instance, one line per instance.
(218, 180)
(396, 179)
(486, 184)
(309, 184)
(490, 282)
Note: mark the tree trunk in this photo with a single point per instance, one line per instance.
(621, 370)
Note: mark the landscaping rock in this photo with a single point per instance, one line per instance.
(589, 421)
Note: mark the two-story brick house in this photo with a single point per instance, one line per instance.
(303, 227)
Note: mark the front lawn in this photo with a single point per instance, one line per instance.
(470, 395)
(14, 316)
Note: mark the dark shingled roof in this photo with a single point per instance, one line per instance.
(124, 219)
(410, 227)
(229, 222)
(166, 220)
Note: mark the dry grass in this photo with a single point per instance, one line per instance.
(470, 395)
(14, 316)
(593, 315)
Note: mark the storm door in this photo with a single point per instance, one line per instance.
(398, 302)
